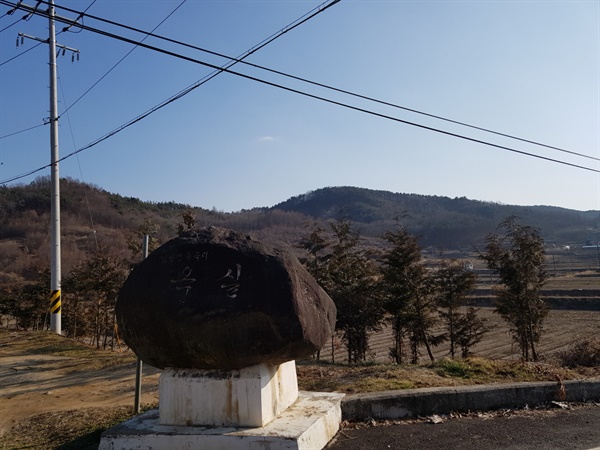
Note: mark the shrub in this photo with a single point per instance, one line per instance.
(584, 353)
(454, 368)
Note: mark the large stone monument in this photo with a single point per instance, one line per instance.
(226, 317)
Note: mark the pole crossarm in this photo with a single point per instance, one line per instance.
(47, 41)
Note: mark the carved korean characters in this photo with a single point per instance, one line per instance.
(216, 299)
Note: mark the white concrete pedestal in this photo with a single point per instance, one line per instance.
(257, 407)
(249, 397)
(309, 424)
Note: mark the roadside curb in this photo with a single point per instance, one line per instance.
(425, 402)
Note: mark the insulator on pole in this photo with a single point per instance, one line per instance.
(72, 57)
(17, 41)
(64, 51)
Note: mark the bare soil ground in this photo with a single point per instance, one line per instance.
(53, 389)
(58, 393)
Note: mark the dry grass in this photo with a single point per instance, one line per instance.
(444, 372)
(587, 279)
(77, 430)
(48, 343)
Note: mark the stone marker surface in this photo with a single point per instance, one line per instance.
(216, 299)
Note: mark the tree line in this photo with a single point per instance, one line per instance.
(397, 287)
(371, 288)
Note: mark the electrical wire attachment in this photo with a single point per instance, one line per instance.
(33, 11)
(12, 11)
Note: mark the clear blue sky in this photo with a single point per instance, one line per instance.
(526, 68)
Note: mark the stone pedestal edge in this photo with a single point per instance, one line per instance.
(309, 424)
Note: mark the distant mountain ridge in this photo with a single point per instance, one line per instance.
(439, 220)
(93, 218)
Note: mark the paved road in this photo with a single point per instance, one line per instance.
(578, 428)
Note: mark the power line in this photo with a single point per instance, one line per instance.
(289, 89)
(185, 91)
(320, 8)
(23, 131)
(20, 54)
(12, 24)
(141, 117)
(123, 58)
(309, 15)
(99, 80)
(80, 17)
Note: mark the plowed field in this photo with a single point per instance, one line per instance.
(562, 328)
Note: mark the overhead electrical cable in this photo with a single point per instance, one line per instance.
(23, 131)
(137, 119)
(84, 186)
(122, 59)
(100, 79)
(346, 92)
(312, 13)
(8, 26)
(309, 15)
(322, 85)
(21, 54)
(79, 17)
(66, 111)
(289, 89)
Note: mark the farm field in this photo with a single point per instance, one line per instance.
(574, 299)
(563, 328)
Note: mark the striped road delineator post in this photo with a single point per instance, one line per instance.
(55, 302)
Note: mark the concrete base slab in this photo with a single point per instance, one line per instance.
(309, 424)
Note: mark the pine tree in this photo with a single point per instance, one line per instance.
(464, 327)
(518, 258)
(409, 298)
(341, 267)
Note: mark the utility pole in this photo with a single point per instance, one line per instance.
(55, 267)
(55, 259)
(139, 364)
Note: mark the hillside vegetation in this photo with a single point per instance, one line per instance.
(440, 221)
(92, 219)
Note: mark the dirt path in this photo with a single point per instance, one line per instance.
(63, 376)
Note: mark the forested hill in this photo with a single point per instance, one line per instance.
(93, 218)
(440, 221)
